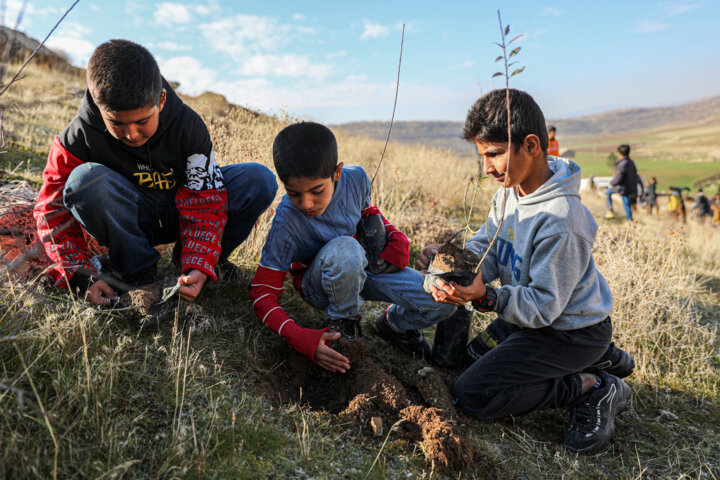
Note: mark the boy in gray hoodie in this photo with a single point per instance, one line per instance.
(550, 344)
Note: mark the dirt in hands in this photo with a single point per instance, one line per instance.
(367, 392)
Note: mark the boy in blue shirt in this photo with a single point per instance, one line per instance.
(312, 237)
(550, 343)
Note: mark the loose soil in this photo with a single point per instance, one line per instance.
(367, 392)
(20, 247)
(454, 263)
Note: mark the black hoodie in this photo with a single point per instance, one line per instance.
(178, 157)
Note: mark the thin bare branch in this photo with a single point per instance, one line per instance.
(397, 88)
(32, 55)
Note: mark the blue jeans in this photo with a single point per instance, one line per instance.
(336, 281)
(626, 203)
(131, 220)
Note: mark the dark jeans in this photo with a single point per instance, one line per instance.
(522, 370)
(131, 220)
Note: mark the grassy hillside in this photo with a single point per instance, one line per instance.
(102, 400)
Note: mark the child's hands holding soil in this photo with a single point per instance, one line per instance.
(100, 293)
(455, 294)
(423, 261)
(328, 358)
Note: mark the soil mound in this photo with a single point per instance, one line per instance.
(442, 441)
(371, 397)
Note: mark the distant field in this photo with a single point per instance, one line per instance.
(668, 172)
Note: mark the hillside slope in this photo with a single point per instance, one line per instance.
(611, 123)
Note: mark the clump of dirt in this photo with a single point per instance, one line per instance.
(366, 393)
(442, 441)
(434, 390)
(144, 307)
(451, 257)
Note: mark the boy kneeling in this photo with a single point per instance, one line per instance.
(134, 169)
(550, 344)
(312, 238)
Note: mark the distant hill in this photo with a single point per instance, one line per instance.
(21, 46)
(446, 134)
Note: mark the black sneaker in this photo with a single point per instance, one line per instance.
(592, 422)
(616, 362)
(348, 327)
(225, 270)
(409, 341)
(144, 277)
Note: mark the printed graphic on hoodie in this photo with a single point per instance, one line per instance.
(203, 173)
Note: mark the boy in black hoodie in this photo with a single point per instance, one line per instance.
(135, 168)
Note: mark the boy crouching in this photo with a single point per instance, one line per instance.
(312, 237)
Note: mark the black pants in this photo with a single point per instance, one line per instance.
(524, 369)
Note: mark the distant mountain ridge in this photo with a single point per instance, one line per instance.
(447, 134)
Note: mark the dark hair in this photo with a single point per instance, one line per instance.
(551, 128)
(123, 75)
(624, 150)
(305, 149)
(487, 119)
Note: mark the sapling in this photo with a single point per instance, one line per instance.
(505, 57)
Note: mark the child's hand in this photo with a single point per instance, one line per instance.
(328, 358)
(191, 283)
(388, 267)
(423, 261)
(455, 294)
(100, 293)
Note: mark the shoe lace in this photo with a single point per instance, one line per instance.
(584, 417)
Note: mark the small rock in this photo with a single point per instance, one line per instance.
(377, 425)
(668, 415)
(425, 371)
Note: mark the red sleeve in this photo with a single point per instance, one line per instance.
(265, 291)
(203, 216)
(397, 251)
(59, 231)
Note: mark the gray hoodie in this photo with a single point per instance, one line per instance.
(543, 255)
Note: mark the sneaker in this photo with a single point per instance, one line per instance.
(409, 341)
(616, 362)
(144, 277)
(592, 422)
(226, 271)
(348, 327)
(609, 214)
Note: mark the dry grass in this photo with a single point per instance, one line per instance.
(103, 401)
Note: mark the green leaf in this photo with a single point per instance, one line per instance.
(497, 74)
(519, 70)
(516, 37)
(507, 29)
(515, 51)
(499, 58)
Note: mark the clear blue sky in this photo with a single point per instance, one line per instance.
(336, 61)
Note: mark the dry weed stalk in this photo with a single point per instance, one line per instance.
(392, 118)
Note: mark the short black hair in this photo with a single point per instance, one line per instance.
(487, 119)
(123, 75)
(551, 128)
(305, 149)
(624, 150)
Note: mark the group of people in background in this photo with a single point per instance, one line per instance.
(629, 185)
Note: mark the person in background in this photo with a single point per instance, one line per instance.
(624, 182)
(553, 145)
(701, 207)
(651, 196)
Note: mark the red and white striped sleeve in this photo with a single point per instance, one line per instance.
(265, 291)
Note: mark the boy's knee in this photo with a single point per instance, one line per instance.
(347, 252)
(265, 183)
(85, 180)
(252, 179)
(470, 400)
